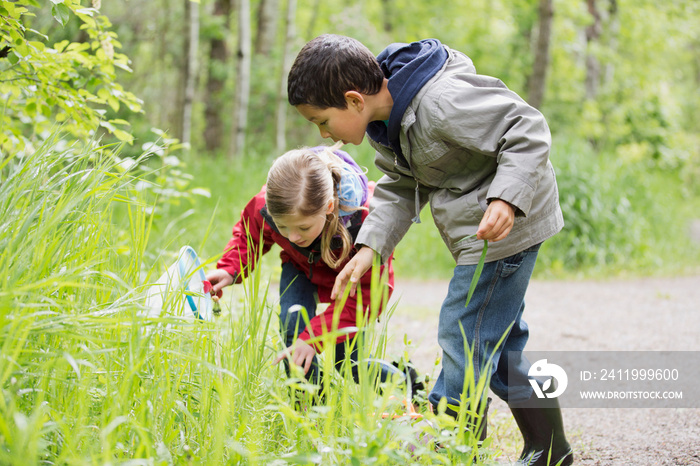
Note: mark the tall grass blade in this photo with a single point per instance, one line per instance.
(477, 273)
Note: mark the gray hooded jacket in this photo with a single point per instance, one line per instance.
(466, 139)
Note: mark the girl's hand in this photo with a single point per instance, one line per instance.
(219, 278)
(353, 271)
(300, 354)
(497, 222)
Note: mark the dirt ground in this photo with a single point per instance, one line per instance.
(651, 314)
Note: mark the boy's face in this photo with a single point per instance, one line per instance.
(340, 124)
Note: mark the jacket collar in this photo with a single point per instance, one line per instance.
(408, 67)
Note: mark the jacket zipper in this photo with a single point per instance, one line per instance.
(311, 265)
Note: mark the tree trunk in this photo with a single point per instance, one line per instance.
(613, 33)
(387, 15)
(522, 47)
(312, 22)
(174, 103)
(267, 22)
(217, 75)
(538, 80)
(163, 111)
(192, 44)
(593, 33)
(282, 105)
(242, 79)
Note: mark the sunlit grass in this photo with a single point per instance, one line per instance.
(87, 379)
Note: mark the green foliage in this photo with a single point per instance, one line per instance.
(85, 378)
(70, 82)
(646, 106)
(622, 216)
(170, 186)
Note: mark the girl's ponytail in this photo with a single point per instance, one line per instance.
(334, 227)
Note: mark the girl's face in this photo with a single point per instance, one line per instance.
(300, 229)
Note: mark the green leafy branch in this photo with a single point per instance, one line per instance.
(68, 82)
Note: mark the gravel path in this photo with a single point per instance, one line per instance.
(650, 314)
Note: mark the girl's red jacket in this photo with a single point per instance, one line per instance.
(256, 229)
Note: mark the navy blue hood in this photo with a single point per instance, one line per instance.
(407, 67)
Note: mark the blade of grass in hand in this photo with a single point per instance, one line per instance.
(477, 273)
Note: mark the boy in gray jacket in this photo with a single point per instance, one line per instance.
(480, 155)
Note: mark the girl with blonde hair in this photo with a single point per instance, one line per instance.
(312, 206)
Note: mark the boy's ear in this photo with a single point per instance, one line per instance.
(355, 100)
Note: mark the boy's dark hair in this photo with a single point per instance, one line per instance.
(329, 66)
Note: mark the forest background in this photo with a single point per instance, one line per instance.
(205, 83)
(131, 128)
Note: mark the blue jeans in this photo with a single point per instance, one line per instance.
(496, 307)
(297, 289)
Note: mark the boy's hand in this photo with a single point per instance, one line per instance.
(300, 353)
(219, 278)
(497, 222)
(353, 271)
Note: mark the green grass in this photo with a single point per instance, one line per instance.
(87, 379)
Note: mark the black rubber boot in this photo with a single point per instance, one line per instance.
(415, 383)
(543, 432)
